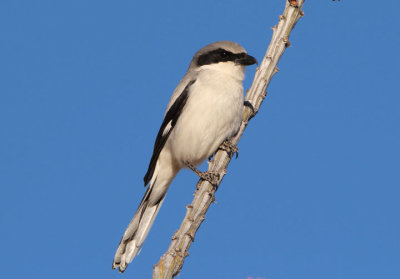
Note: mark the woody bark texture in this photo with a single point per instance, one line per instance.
(171, 262)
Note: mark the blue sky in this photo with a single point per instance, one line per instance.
(314, 193)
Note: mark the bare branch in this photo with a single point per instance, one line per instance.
(171, 262)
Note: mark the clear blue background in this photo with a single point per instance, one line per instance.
(314, 193)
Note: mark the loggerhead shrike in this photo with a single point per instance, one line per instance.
(204, 111)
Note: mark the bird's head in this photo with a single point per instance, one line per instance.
(225, 56)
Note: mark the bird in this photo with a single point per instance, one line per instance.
(204, 111)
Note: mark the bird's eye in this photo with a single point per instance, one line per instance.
(224, 54)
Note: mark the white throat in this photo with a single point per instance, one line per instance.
(229, 68)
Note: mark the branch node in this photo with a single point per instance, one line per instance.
(190, 235)
(293, 3)
(264, 94)
(286, 41)
(212, 198)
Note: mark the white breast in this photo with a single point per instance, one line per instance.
(212, 114)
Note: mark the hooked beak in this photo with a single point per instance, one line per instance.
(247, 60)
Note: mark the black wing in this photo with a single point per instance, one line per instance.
(170, 118)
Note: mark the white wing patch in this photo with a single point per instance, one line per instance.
(167, 128)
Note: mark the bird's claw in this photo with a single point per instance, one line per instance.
(210, 176)
(230, 148)
(250, 106)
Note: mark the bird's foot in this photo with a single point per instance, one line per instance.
(230, 148)
(210, 176)
(250, 106)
